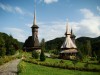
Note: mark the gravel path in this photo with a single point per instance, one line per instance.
(9, 68)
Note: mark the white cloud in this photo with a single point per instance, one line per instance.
(29, 25)
(88, 26)
(15, 9)
(6, 7)
(19, 10)
(87, 13)
(50, 30)
(90, 23)
(98, 8)
(11, 9)
(50, 1)
(16, 33)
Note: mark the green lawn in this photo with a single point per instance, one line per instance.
(69, 63)
(32, 69)
(66, 62)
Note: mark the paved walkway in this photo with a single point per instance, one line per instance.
(9, 68)
(48, 54)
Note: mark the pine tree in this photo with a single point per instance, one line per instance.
(42, 56)
(88, 47)
(12, 50)
(2, 49)
(2, 52)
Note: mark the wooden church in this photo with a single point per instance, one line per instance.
(68, 48)
(32, 43)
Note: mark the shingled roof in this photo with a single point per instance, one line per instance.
(68, 45)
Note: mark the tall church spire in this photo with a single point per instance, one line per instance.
(72, 32)
(72, 36)
(68, 43)
(34, 22)
(32, 43)
(67, 29)
(35, 40)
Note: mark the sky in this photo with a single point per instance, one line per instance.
(16, 18)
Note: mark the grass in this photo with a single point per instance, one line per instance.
(25, 54)
(32, 69)
(69, 63)
(6, 59)
(66, 62)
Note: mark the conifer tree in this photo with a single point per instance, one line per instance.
(42, 56)
(2, 49)
(88, 47)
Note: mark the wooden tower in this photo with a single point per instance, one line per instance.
(35, 41)
(68, 48)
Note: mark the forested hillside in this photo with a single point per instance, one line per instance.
(8, 45)
(84, 42)
(85, 45)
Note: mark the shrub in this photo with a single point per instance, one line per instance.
(6, 59)
(93, 59)
(2, 49)
(74, 63)
(63, 66)
(1, 61)
(12, 50)
(21, 66)
(86, 65)
(35, 54)
(79, 56)
(61, 61)
(42, 56)
(2, 52)
(54, 56)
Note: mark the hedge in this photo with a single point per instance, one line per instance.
(59, 65)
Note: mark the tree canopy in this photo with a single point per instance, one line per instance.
(8, 44)
(85, 45)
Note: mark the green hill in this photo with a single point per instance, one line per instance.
(8, 44)
(81, 43)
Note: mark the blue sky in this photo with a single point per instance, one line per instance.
(16, 17)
